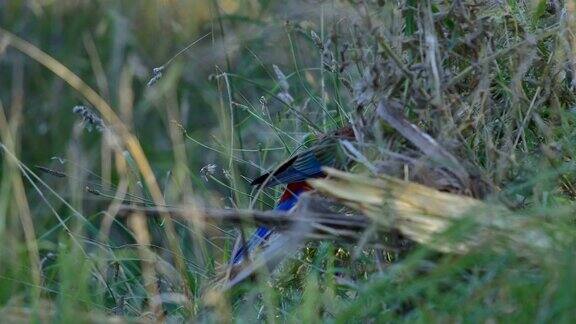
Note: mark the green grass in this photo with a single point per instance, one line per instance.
(492, 83)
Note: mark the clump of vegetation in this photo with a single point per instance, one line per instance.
(458, 203)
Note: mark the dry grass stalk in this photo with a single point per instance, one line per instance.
(422, 213)
(137, 223)
(326, 225)
(9, 137)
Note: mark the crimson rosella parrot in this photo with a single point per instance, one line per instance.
(294, 172)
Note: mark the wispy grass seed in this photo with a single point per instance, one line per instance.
(89, 118)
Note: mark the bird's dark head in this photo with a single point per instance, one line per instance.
(346, 132)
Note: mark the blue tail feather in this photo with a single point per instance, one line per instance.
(262, 233)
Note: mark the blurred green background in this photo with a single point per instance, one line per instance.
(114, 45)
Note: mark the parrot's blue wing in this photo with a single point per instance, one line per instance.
(304, 166)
